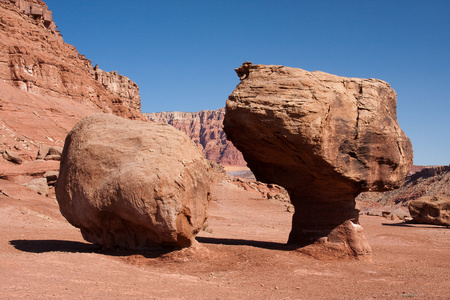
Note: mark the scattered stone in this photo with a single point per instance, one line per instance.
(12, 157)
(49, 153)
(55, 150)
(52, 157)
(431, 210)
(325, 139)
(133, 184)
(39, 185)
(42, 152)
(51, 177)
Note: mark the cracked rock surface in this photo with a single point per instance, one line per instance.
(325, 139)
(132, 184)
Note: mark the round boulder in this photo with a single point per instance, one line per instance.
(132, 184)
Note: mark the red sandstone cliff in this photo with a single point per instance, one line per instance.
(46, 86)
(34, 58)
(206, 130)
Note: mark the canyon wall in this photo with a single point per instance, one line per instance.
(46, 86)
(35, 58)
(206, 130)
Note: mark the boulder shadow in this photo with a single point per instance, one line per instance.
(413, 224)
(43, 246)
(241, 242)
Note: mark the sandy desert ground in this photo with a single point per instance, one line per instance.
(241, 255)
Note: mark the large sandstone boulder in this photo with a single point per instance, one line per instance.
(132, 184)
(431, 210)
(325, 139)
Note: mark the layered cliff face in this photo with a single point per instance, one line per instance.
(46, 86)
(34, 58)
(206, 130)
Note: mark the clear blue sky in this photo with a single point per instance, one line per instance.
(182, 54)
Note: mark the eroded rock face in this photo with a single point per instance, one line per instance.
(431, 210)
(205, 128)
(325, 139)
(132, 184)
(35, 59)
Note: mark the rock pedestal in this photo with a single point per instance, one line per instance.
(132, 184)
(325, 139)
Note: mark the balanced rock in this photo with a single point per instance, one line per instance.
(431, 210)
(325, 139)
(132, 184)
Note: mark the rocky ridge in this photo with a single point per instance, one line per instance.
(205, 128)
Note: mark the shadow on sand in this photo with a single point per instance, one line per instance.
(413, 224)
(240, 242)
(44, 246)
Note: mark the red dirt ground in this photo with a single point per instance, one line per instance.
(241, 255)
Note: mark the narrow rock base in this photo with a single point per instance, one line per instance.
(329, 231)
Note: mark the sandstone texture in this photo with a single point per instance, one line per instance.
(431, 210)
(325, 139)
(132, 184)
(205, 128)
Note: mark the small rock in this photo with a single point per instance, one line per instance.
(39, 185)
(55, 150)
(12, 157)
(51, 177)
(53, 157)
(43, 151)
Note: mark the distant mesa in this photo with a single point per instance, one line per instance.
(325, 139)
(205, 128)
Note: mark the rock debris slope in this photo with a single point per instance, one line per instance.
(133, 184)
(325, 139)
